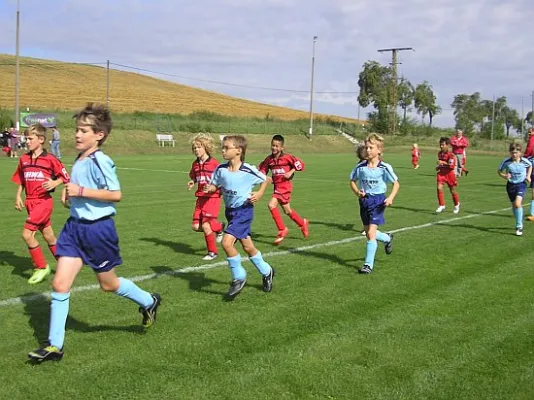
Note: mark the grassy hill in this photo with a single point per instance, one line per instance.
(54, 85)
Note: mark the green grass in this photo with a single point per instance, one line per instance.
(447, 316)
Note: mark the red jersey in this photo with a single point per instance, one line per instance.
(529, 152)
(201, 172)
(32, 173)
(459, 144)
(450, 159)
(279, 166)
(415, 153)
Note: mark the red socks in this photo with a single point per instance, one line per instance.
(211, 243)
(38, 257)
(275, 213)
(295, 217)
(215, 225)
(52, 249)
(441, 198)
(455, 199)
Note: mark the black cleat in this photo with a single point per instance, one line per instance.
(236, 287)
(366, 269)
(389, 245)
(149, 313)
(48, 353)
(268, 281)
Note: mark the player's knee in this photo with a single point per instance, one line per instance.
(110, 286)
(206, 227)
(60, 285)
(195, 227)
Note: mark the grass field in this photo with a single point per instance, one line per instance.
(447, 316)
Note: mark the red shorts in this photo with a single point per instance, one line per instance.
(206, 208)
(449, 179)
(283, 198)
(39, 213)
(415, 160)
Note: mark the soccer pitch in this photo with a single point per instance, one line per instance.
(448, 315)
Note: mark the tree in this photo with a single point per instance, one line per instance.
(375, 82)
(511, 119)
(469, 111)
(406, 94)
(425, 101)
(528, 118)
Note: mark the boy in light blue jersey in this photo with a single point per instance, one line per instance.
(517, 171)
(89, 235)
(372, 175)
(236, 179)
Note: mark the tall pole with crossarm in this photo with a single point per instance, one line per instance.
(394, 63)
(310, 133)
(17, 71)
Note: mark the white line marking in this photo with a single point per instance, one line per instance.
(204, 267)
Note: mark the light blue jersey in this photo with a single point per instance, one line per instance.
(373, 181)
(517, 169)
(96, 171)
(236, 186)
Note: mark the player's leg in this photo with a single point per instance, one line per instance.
(302, 223)
(370, 249)
(239, 274)
(266, 271)
(441, 197)
(148, 302)
(41, 268)
(211, 241)
(50, 238)
(455, 199)
(277, 218)
(518, 213)
(531, 216)
(66, 272)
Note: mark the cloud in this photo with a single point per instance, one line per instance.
(460, 46)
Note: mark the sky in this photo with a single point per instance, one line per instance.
(256, 46)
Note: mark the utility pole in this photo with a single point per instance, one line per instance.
(492, 119)
(17, 71)
(522, 120)
(310, 133)
(394, 63)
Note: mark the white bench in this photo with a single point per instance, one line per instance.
(162, 139)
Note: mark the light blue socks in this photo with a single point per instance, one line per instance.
(133, 292)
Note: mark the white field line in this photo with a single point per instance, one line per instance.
(204, 267)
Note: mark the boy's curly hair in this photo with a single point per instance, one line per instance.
(206, 141)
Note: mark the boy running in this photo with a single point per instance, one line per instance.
(283, 167)
(373, 175)
(208, 205)
(415, 155)
(517, 171)
(89, 235)
(529, 153)
(447, 175)
(38, 174)
(236, 179)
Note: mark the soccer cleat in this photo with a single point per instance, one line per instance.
(268, 281)
(416, 167)
(210, 256)
(456, 209)
(48, 353)
(363, 233)
(519, 232)
(39, 275)
(305, 228)
(440, 209)
(236, 287)
(366, 269)
(530, 218)
(281, 235)
(389, 245)
(149, 313)
(220, 234)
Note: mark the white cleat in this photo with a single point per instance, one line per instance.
(440, 209)
(519, 232)
(210, 256)
(456, 209)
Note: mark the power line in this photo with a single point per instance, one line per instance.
(226, 83)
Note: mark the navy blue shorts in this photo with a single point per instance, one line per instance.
(239, 221)
(95, 242)
(516, 189)
(372, 209)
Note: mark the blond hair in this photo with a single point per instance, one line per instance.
(415, 146)
(98, 117)
(240, 142)
(37, 130)
(205, 140)
(515, 146)
(374, 138)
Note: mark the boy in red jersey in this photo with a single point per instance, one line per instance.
(459, 143)
(208, 204)
(38, 174)
(283, 166)
(446, 175)
(529, 153)
(415, 156)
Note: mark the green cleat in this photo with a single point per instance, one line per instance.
(149, 313)
(48, 353)
(39, 275)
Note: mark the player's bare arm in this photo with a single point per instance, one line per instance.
(256, 196)
(52, 184)
(356, 189)
(190, 185)
(19, 203)
(209, 189)
(393, 194)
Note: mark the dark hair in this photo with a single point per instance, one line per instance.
(515, 146)
(239, 142)
(98, 117)
(278, 138)
(445, 140)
